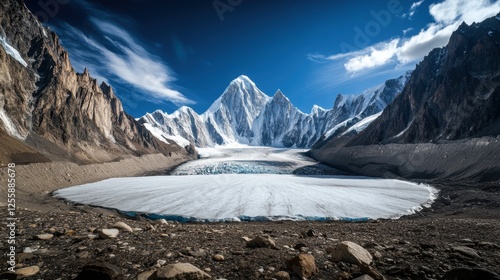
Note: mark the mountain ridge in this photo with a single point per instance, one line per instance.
(244, 114)
(444, 126)
(45, 103)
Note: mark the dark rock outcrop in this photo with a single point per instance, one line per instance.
(445, 124)
(51, 111)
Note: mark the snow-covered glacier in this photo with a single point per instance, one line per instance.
(243, 114)
(254, 183)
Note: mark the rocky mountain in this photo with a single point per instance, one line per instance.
(244, 114)
(50, 112)
(446, 122)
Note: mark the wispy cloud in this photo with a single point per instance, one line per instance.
(447, 15)
(412, 10)
(407, 30)
(113, 52)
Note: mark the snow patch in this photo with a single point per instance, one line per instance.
(363, 124)
(12, 51)
(9, 125)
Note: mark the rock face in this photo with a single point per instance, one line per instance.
(447, 114)
(244, 114)
(46, 105)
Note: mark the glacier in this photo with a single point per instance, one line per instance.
(243, 114)
(249, 183)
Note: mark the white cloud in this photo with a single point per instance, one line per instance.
(447, 15)
(414, 7)
(116, 53)
(407, 30)
(376, 56)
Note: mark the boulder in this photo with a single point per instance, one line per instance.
(351, 252)
(27, 271)
(262, 242)
(179, 271)
(303, 265)
(101, 271)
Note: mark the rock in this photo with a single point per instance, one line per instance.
(123, 226)
(299, 246)
(364, 277)
(197, 253)
(282, 275)
(101, 271)
(44, 236)
(27, 271)
(372, 272)
(470, 274)
(488, 244)
(145, 275)
(108, 233)
(377, 255)
(28, 250)
(184, 271)
(7, 275)
(82, 255)
(218, 258)
(21, 257)
(303, 265)
(262, 242)
(350, 252)
(466, 251)
(162, 222)
(310, 233)
(246, 238)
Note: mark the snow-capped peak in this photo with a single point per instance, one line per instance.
(316, 109)
(279, 95)
(245, 115)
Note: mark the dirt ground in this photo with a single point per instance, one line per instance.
(422, 246)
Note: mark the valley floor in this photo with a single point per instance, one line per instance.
(422, 246)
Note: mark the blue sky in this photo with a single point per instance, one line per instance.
(165, 54)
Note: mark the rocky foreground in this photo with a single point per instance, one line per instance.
(458, 238)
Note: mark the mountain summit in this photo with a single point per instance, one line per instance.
(244, 114)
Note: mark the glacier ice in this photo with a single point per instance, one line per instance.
(246, 196)
(261, 196)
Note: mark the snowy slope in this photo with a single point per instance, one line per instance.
(243, 114)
